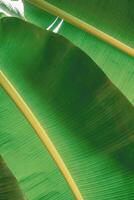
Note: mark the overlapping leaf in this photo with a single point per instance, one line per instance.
(88, 119)
(114, 18)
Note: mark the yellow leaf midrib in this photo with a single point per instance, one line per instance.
(83, 25)
(41, 133)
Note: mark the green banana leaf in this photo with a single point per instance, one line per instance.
(111, 16)
(117, 65)
(37, 16)
(9, 188)
(114, 18)
(88, 119)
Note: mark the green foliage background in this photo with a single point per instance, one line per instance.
(88, 116)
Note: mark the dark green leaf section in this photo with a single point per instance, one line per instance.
(86, 116)
(9, 189)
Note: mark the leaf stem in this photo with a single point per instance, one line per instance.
(83, 25)
(41, 133)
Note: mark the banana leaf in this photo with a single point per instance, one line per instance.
(88, 119)
(114, 18)
(37, 16)
(117, 65)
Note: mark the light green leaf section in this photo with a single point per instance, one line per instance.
(88, 119)
(37, 16)
(26, 156)
(9, 189)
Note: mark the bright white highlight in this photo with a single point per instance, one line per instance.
(58, 27)
(48, 28)
(12, 8)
